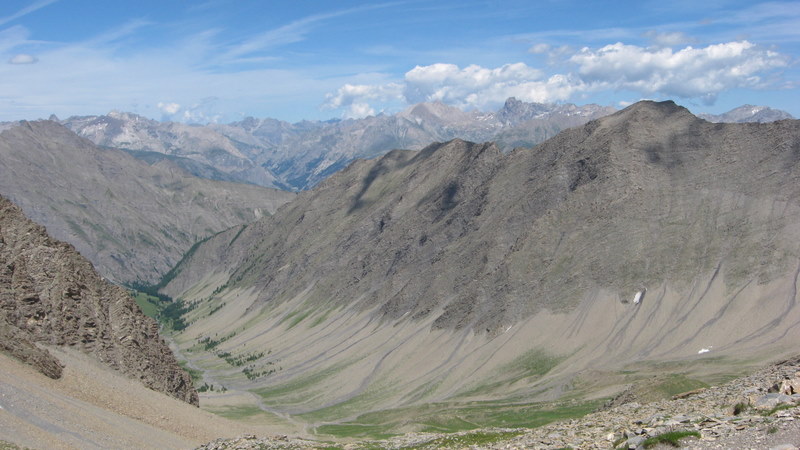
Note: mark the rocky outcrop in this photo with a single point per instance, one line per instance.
(20, 344)
(50, 294)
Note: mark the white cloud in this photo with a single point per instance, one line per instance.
(169, 108)
(473, 86)
(539, 49)
(687, 73)
(358, 110)
(23, 58)
(690, 72)
(355, 98)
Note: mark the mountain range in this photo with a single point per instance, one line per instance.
(132, 219)
(297, 156)
(458, 273)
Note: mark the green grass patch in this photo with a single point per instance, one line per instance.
(298, 387)
(452, 418)
(524, 416)
(5, 445)
(319, 319)
(776, 409)
(149, 305)
(197, 375)
(678, 384)
(354, 430)
(532, 364)
(240, 412)
(298, 317)
(362, 402)
(672, 438)
(478, 438)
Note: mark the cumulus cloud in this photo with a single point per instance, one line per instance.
(472, 86)
(23, 58)
(169, 108)
(689, 72)
(355, 98)
(686, 73)
(200, 112)
(469, 87)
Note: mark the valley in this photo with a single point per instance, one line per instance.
(403, 225)
(458, 288)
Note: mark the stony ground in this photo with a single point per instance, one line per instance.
(757, 411)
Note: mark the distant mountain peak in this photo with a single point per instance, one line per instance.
(748, 113)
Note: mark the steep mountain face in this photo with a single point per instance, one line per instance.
(748, 113)
(459, 272)
(50, 294)
(131, 219)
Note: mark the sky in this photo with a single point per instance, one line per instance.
(221, 61)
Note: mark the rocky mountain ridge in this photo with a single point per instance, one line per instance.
(50, 294)
(133, 220)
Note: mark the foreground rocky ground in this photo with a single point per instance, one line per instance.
(758, 411)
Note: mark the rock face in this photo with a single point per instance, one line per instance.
(50, 294)
(20, 344)
(133, 221)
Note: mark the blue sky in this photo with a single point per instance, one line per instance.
(221, 60)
